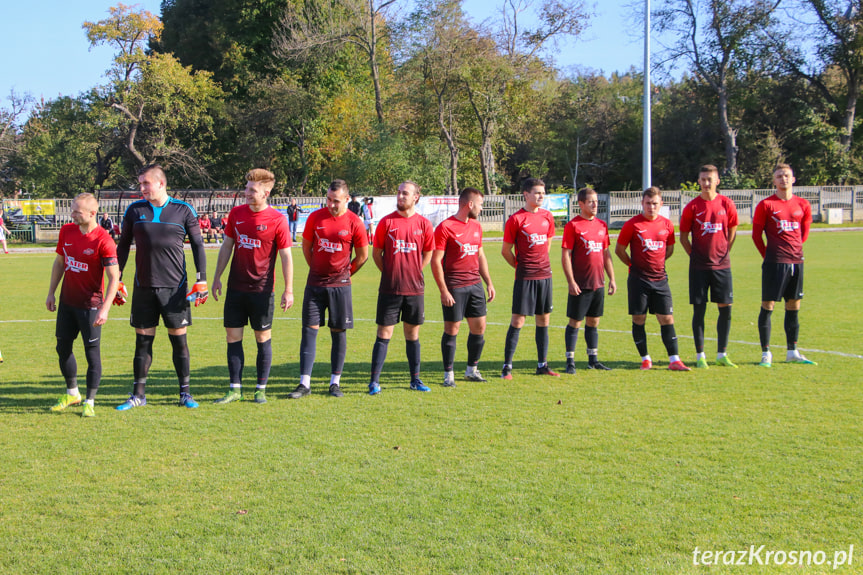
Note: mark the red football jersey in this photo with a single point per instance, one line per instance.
(530, 233)
(588, 240)
(786, 224)
(460, 242)
(647, 241)
(86, 257)
(204, 223)
(710, 223)
(332, 240)
(403, 241)
(259, 236)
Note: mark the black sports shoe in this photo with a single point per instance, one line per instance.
(335, 391)
(506, 372)
(545, 370)
(570, 367)
(301, 391)
(599, 366)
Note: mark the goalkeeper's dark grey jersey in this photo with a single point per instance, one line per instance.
(159, 234)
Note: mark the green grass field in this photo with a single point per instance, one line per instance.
(617, 472)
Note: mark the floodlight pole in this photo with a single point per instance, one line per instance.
(645, 147)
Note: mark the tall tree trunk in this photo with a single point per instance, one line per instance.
(486, 163)
(850, 113)
(373, 62)
(729, 134)
(451, 144)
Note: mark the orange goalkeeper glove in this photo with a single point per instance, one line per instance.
(121, 296)
(198, 294)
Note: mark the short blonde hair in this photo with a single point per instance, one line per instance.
(89, 200)
(261, 175)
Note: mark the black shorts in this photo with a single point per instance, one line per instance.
(718, 282)
(532, 297)
(255, 308)
(589, 303)
(409, 308)
(469, 302)
(781, 281)
(74, 320)
(169, 303)
(317, 300)
(647, 296)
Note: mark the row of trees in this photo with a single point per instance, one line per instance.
(361, 89)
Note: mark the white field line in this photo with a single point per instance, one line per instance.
(806, 349)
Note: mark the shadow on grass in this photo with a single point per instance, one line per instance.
(211, 382)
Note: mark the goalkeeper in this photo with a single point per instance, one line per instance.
(159, 225)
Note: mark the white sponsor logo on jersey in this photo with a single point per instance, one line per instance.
(786, 225)
(535, 239)
(401, 246)
(75, 265)
(651, 245)
(709, 227)
(326, 245)
(467, 249)
(248, 243)
(591, 246)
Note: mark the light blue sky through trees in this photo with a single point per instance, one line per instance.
(44, 52)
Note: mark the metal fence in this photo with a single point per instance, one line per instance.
(614, 207)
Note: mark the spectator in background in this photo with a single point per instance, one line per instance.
(3, 232)
(218, 230)
(355, 206)
(368, 218)
(204, 224)
(107, 224)
(293, 214)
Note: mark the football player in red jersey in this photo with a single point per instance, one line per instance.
(650, 238)
(585, 256)
(526, 243)
(784, 219)
(458, 263)
(330, 236)
(710, 219)
(85, 252)
(255, 234)
(403, 246)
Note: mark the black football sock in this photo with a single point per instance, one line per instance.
(669, 338)
(723, 328)
(68, 365)
(236, 361)
(764, 328)
(263, 363)
(570, 340)
(141, 362)
(639, 336)
(792, 328)
(510, 345)
(698, 311)
(181, 360)
(308, 348)
(447, 348)
(412, 349)
(475, 343)
(541, 337)
(379, 355)
(94, 369)
(338, 351)
(591, 339)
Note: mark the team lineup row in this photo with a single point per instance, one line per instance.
(336, 245)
